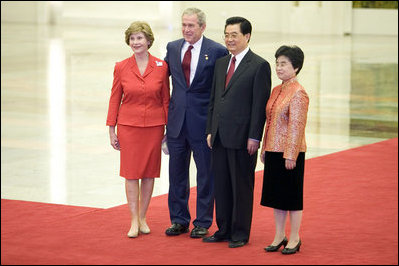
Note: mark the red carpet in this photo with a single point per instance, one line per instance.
(350, 217)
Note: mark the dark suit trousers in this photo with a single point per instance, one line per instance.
(179, 183)
(234, 171)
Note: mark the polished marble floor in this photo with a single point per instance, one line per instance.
(55, 87)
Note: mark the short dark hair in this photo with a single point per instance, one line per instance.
(245, 25)
(293, 53)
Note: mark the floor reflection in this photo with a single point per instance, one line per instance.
(56, 84)
(56, 111)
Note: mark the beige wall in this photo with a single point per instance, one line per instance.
(22, 11)
(370, 20)
(302, 17)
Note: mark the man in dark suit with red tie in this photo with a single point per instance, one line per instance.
(236, 117)
(191, 63)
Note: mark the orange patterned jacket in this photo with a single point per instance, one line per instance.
(286, 115)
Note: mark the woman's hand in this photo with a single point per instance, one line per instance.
(290, 164)
(114, 138)
(262, 156)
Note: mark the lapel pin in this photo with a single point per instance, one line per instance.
(206, 57)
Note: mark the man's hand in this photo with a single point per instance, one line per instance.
(208, 140)
(252, 146)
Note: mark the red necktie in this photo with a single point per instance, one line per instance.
(186, 65)
(231, 71)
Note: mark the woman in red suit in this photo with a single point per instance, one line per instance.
(139, 107)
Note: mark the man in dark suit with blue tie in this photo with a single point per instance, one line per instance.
(191, 63)
(236, 117)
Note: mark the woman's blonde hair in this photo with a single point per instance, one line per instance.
(140, 26)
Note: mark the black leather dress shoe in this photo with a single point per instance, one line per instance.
(213, 239)
(271, 248)
(198, 232)
(237, 243)
(176, 229)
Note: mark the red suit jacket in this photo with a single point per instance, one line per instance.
(137, 100)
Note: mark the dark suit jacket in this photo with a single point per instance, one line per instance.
(238, 112)
(191, 103)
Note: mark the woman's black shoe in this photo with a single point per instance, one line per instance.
(275, 248)
(288, 251)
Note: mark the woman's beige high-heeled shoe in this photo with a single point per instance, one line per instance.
(144, 228)
(133, 232)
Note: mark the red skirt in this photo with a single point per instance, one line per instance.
(140, 151)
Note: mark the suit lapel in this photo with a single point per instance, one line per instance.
(202, 60)
(223, 73)
(150, 65)
(179, 47)
(242, 67)
(135, 69)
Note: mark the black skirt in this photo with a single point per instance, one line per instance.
(282, 188)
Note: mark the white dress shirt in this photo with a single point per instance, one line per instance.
(239, 57)
(195, 53)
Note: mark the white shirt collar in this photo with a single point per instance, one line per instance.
(196, 46)
(241, 55)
